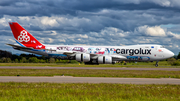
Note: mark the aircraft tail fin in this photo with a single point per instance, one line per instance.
(23, 37)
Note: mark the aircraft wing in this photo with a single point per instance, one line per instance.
(70, 53)
(95, 56)
(118, 57)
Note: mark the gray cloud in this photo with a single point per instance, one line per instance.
(94, 22)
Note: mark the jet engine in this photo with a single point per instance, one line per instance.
(82, 57)
(105, 60)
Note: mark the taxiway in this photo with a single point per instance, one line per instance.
(96, 68)
(69, 79)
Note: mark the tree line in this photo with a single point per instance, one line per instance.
(7, 57)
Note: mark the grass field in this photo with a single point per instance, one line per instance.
(162, 64)
(12, 91)
(91, 73)
(87, 92)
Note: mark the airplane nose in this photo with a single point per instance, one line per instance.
(169, 54)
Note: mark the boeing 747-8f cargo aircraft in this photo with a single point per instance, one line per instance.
(88, 54)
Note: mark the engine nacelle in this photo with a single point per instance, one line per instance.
(79, 57)
(86, 57)
(105, 60)
(83, 57)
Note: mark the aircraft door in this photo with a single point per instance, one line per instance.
(156, 47)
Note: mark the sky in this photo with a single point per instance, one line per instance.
(94, 22)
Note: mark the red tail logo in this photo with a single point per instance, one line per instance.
(23, 37)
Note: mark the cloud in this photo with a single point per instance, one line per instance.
(167, 3)
(94, 22)
(156, 31)
(49, 21)
(151, 31)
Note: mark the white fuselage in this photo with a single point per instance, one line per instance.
(132, 53)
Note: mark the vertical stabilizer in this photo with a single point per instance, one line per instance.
(23, 37)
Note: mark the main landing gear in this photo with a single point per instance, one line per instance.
(156, 63)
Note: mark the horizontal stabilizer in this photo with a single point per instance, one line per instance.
(17, 46)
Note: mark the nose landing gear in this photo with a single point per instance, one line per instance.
(156, 63)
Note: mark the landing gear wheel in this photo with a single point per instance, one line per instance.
(156, 64)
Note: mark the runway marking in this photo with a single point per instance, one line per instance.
(96, 68)
(69, 79)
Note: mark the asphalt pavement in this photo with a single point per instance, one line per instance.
(96, 68)
(69, 79)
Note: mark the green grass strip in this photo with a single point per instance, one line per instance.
(91, 73)
(87, 92)
(162, 64)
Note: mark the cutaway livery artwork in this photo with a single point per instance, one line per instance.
(88, 54)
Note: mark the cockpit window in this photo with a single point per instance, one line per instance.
(161, 46)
